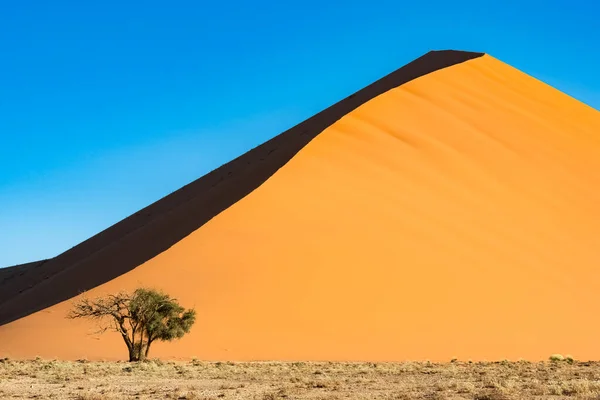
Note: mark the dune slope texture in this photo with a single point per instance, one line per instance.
(451, 209)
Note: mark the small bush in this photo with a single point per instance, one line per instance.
(196, 362)
(569, 359)
(556, 358)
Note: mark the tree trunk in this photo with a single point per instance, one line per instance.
(130, 348)
(148, 348)
(142, 352)
(132, 355)
(129, 342)
(137, 351)
(140, 348)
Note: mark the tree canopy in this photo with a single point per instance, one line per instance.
(141, 318)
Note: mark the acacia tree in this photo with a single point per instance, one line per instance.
(141, 318)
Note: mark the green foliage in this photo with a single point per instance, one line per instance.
(161, 316)
(569, 359)
(143, 317)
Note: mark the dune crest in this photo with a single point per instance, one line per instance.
(454, 215)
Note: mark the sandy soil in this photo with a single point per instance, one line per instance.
(271, 381)
(457, 215)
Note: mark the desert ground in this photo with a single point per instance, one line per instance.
(155, 379)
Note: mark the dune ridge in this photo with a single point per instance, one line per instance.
(453, 216)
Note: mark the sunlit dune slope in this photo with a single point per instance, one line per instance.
(457, 215)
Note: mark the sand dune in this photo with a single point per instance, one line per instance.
(452, 215)
(154, 229)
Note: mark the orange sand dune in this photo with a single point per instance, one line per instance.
(457, 215)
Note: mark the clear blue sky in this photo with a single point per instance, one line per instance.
(107, 106)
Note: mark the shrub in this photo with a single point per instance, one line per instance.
(569, 359)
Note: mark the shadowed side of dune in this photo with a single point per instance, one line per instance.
(154, 229)
(9, 273)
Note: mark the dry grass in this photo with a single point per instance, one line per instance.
(40, 379)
